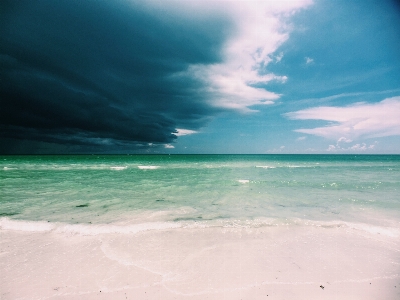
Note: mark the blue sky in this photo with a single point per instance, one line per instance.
(125, 76)
(339, 54)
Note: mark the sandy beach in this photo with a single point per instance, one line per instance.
(283, 262)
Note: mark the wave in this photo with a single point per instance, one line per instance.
(288, 166)
(148, 167)
(8, 168)
(118, 168)
(266, 167)
(362, 227)
(64, 167)
(83, 229)
(243, 181)
(98, 229)
(34, 226)
(77, 167)
(392, 232)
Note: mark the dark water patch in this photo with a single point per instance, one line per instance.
(189, 219)
(200, 218)
(82, 205)
(5, 214)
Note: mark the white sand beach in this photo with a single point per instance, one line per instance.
(344, 261)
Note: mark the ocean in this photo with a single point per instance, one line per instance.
(131, 207)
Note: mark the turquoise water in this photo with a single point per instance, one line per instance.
(200, 188)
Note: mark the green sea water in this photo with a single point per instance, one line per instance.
(201, 189)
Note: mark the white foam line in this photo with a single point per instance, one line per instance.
(118, 168)
(30, 226)
(8, 168)
(390, 232)
(148, 167)
(105, 229)
(385, 231)
(243, 181)
(83, 229)
(95, 229)
(266, 167)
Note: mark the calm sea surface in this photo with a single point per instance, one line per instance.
(246, 190)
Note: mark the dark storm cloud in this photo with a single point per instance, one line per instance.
(99, 74)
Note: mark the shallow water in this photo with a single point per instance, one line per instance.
(182, 188)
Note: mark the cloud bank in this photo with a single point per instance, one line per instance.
(126, 74)
(239, 80)
(360, 120)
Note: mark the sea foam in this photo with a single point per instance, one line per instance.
(84, 229)
(117, 168)
(265, 167)
(8, 168)
(96, 229)
(243, 181)
(148, 167)
(33, 226)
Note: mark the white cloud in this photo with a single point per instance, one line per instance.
(261, 28)
(360, 120)
(169, 146)
(302, 138)
(362, 147)
(331, 148)
(344, 140)
(309, 60)
(276, 150)
(181, 132)
(279, 57)
(354, 148)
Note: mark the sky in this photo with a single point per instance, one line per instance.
(199, 76)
